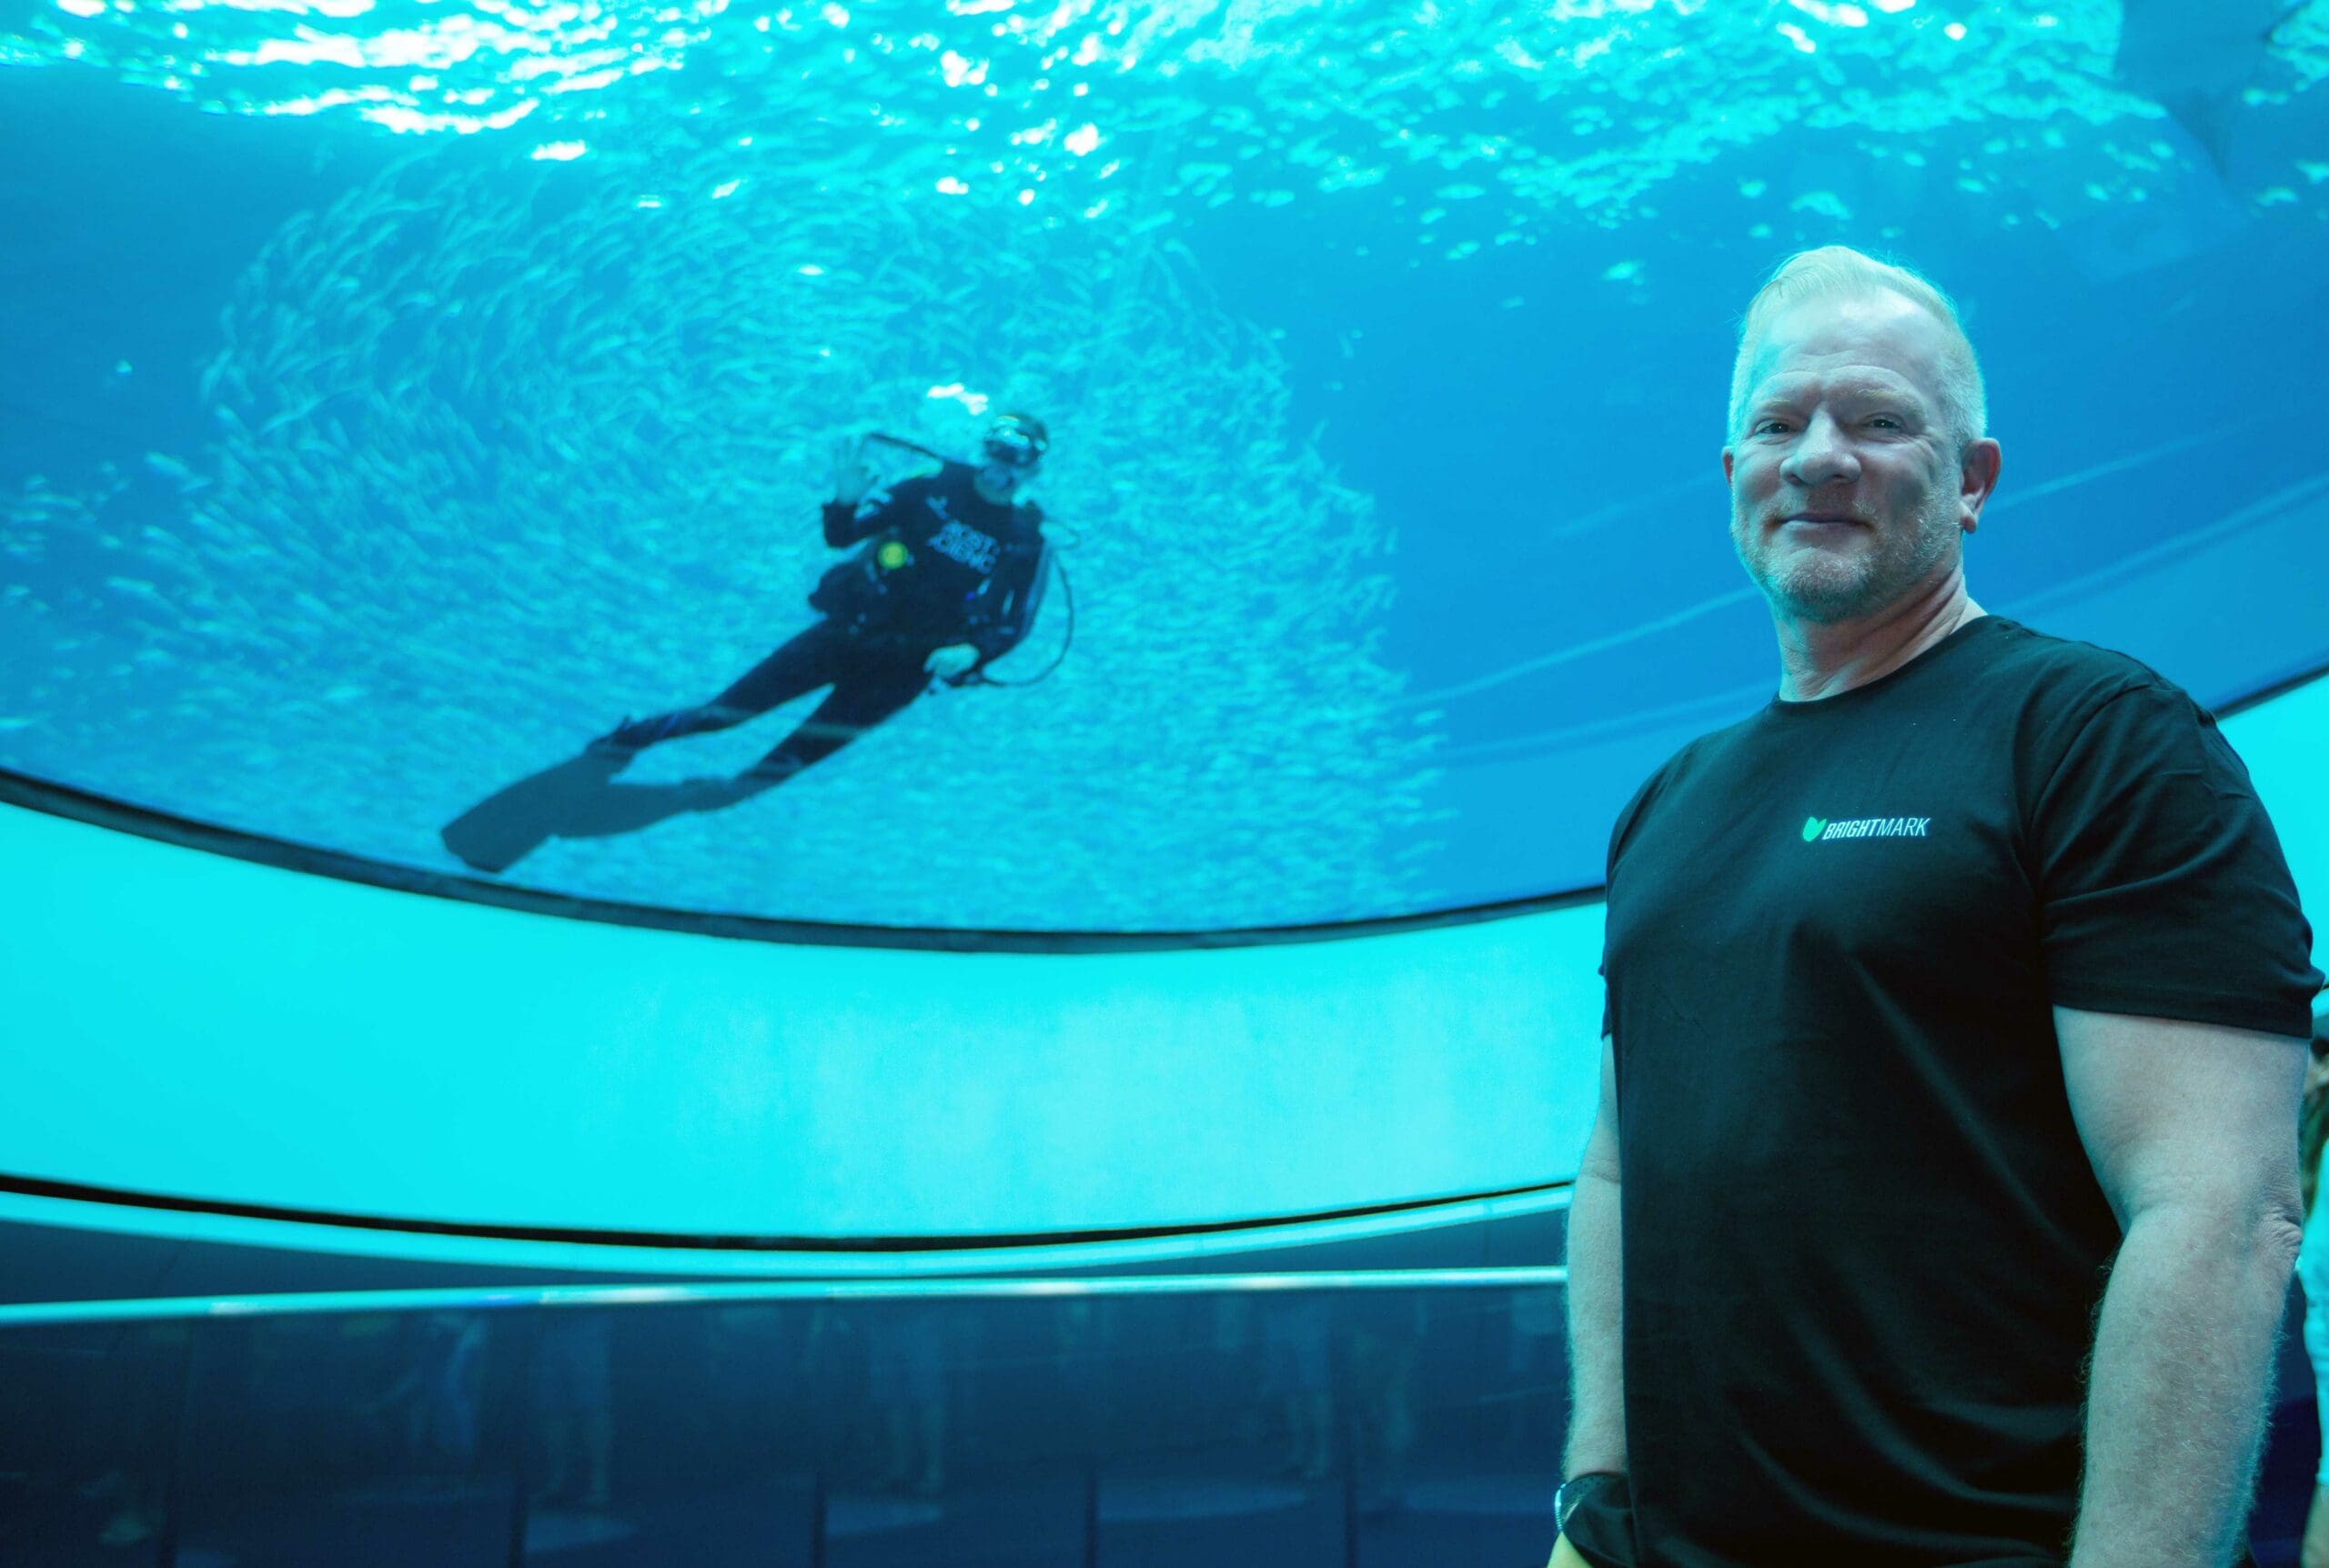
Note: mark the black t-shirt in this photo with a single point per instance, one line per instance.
(1862, 1242)
(944, 563)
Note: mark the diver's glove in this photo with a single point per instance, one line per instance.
(952, 662)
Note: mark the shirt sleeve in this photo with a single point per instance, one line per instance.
(1619, 830)
(1602, 1528)
(2161, 889)
(845, 523)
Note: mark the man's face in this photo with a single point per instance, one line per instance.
(1004, 466)
(1847, 488)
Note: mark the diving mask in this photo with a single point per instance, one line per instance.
(1012, 445)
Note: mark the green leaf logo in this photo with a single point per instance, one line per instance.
(1813, 827)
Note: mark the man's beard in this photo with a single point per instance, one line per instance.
(1819, 587)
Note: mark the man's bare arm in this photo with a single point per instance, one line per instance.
(2190, 1129)
(1596, 1415)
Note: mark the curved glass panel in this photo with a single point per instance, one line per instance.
(672, 1086)
(394, 396)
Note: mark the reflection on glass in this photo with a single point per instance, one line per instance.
(1410, 1426)
(1180, 1426)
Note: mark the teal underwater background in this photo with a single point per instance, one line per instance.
(393, 395)
(397, 394)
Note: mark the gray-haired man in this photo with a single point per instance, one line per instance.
(1958, 993)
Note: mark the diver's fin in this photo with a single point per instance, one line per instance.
(511, 823)
(2210, 122)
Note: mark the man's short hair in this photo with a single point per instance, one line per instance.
(1840, 272)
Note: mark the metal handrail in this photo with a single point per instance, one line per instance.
(506, 1298)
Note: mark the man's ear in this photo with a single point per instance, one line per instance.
(1976, 480)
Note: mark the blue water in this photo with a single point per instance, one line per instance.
(392, 396)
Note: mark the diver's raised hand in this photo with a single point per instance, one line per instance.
(852, 475)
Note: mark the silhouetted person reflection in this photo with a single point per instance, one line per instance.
(946, 577)
(572, 1387)
(907, 1358)
(1386, 1331)
(1297, 1337)
(127, 1425)
(439, 1394)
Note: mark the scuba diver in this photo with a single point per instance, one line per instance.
(946, 577)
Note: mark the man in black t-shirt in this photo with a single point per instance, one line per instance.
(1956, 1006)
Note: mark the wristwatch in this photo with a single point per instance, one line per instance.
(1574, 1490)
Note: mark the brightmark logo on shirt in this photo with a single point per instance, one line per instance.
(1819, 829)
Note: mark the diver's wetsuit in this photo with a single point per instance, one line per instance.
(938, 564)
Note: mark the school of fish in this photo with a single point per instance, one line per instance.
(504, 455)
